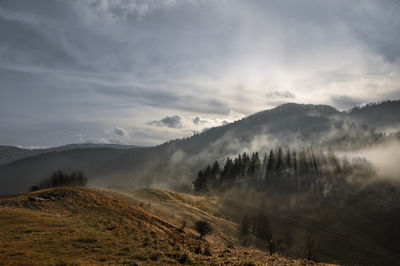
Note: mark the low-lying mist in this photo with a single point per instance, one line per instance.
(385, 158)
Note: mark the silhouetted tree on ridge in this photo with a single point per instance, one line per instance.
(59, 179)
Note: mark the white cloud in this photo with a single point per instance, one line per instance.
(205, 123)
(97, 140)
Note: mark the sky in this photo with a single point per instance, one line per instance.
(146, 71)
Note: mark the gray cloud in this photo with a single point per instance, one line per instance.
(168, 121)
(114, 10)
(120, 132)
(278, 95)
(78, 59)
(151, 96)
(198, 121)
(344, 102)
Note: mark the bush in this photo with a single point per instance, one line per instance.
(155, 256)
(60, 179)
(207, 251)
(203, 228)
(184, 259)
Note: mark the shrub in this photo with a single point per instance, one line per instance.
(207, 251)
(184, 259)
(155, 256)
(203, 228)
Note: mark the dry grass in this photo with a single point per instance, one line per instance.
(89, 226)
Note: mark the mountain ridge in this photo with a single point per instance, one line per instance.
(288, 124)
(9, 153)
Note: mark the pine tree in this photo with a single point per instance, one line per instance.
(228, 171)
(264, 168)
(200, 183)
(294, 161)
(215, 170)
(288, 160)
(279, 161)
(271, 162)
(214, 174)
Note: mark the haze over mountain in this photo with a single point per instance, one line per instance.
(333, 200)
(206, 131)
(175, 162)
(11, 153)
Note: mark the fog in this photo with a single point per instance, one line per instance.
(385, 158)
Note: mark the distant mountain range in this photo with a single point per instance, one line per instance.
(174, 162)
(12, 153)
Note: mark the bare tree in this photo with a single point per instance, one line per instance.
(261, 228)
(183, 226)
(311, 248)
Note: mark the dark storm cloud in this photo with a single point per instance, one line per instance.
(168, 121)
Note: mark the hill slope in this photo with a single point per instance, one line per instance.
(174, 161)
(344, 234)
(90, 226)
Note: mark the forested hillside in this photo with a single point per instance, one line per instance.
(339, 205)
(285, 171)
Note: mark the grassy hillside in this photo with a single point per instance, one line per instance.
(343, 234)
(89, 226)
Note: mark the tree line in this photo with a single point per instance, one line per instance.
(285, 170)
(60, 178)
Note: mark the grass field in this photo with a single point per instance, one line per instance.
(89, 226)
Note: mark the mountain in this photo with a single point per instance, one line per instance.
(96, 227)
(330, 200)
(175, 162)
(12, 153)
(383, 114)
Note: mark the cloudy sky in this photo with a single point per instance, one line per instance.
(145, 71)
